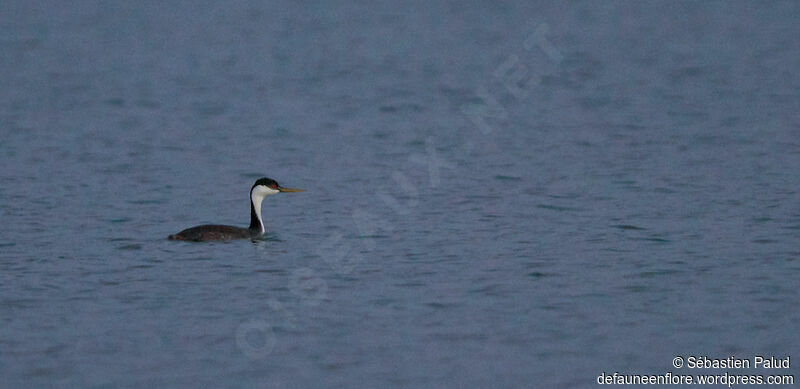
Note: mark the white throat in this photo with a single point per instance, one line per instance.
(257, 197)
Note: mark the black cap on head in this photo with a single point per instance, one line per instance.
(266, 182)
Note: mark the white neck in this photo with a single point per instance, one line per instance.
(257, 198)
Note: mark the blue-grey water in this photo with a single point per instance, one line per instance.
(502, 194)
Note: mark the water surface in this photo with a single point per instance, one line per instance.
(503, 195)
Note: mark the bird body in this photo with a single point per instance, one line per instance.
(215, 232)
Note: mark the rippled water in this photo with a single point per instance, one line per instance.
(497, 195)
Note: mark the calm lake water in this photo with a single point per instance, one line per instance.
(498, 195)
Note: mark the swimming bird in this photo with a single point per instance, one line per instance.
(263, 187)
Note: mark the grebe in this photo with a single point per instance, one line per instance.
(263, 187)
